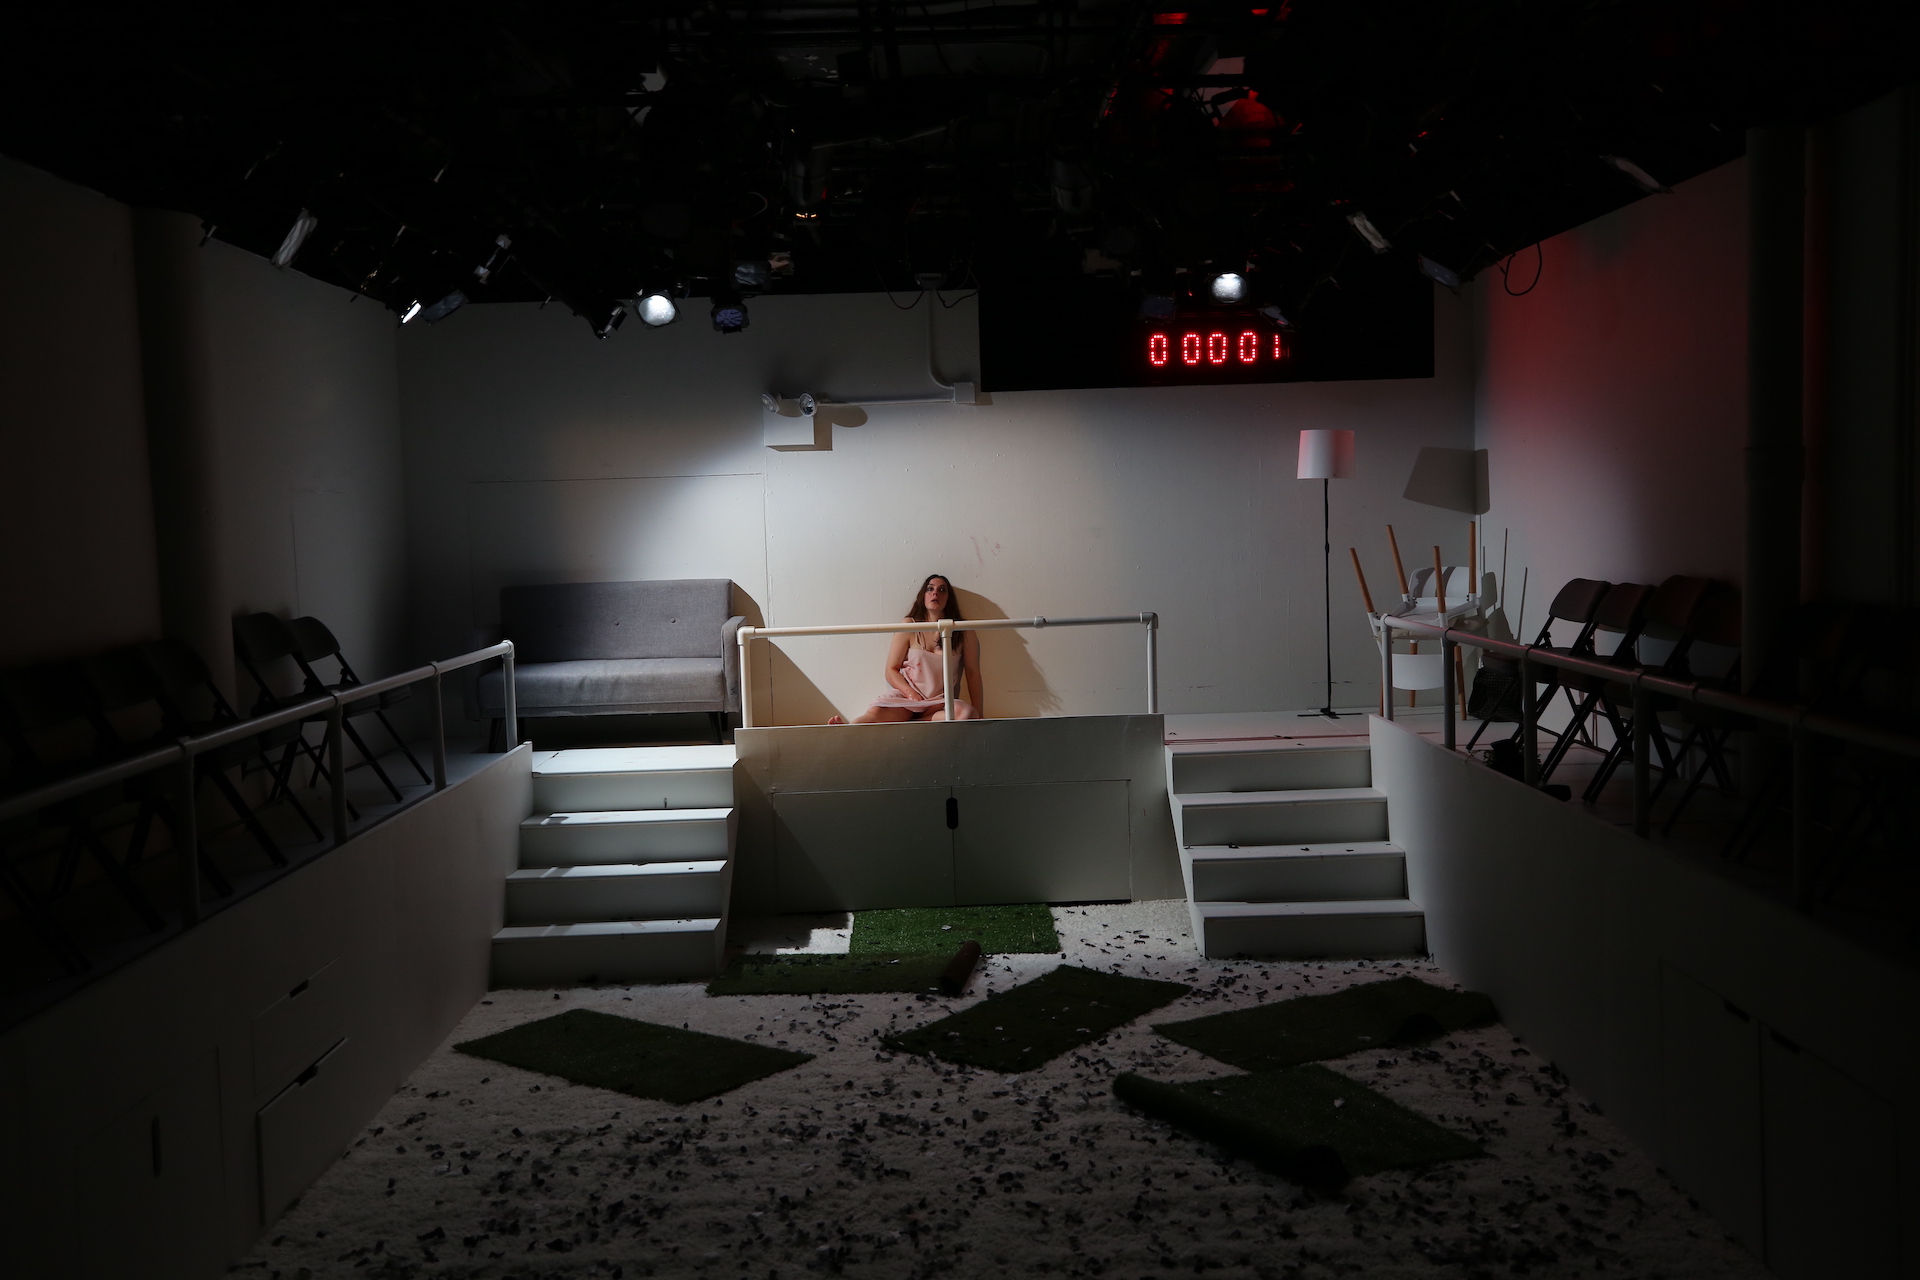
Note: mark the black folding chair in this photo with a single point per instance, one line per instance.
(313, 642)
(1619, 617)
(45, 714)
(1662, 647)
(1575, 605)
(193, 705)
(260, 640)
(1713, 661)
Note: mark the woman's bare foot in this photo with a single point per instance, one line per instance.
(836, 720)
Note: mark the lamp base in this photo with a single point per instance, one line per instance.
(1328, 712)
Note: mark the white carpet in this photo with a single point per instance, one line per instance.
(869, 1164)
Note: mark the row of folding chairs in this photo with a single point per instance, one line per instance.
(1688, 628)
(61, 719)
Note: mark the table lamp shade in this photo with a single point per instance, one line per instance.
(1326, 455)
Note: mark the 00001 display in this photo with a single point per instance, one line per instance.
(1219, 348)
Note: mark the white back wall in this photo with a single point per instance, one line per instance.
(536, 454)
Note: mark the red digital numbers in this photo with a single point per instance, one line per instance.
(1216, 349)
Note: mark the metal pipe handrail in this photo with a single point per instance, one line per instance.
(1797, 719)
(946, 626)
(332, 706)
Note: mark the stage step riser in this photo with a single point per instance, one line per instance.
(1324, 819)
(1292, 768)
(581, 792)
(652, 891)
(1367, 931)
(1291, 875)
(581, 839)
(567, 955)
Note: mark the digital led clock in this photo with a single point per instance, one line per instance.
(1199, 349)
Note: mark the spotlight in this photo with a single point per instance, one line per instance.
(1371, 234)
(1229, 286)
(808, 404)
(770, 402)
(445, 307)
(656, 309)
(1439, 274)
(729, 313)
(1274, 314)
(411, 311)
(610, 323)
(296, 236)
(751, 275)
(1646, 181)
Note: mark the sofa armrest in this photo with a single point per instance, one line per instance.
(730, 659)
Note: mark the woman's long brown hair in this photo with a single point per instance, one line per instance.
(919, 611)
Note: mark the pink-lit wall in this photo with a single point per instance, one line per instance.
(1611, 399)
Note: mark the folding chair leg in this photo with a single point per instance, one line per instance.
(405, 750)
(1567, 736)
(248, 818)
(366, 755)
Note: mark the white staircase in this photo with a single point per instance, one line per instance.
(1284, 848)
(625, 868)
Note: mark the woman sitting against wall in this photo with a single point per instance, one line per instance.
(915, 670)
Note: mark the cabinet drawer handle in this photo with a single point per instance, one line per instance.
(953, 814)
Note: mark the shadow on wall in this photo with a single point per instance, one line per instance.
(1015, 684)
(796, 698)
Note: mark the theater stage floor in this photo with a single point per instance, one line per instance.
(871, 1164)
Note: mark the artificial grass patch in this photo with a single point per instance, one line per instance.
(1023, 928)
(1373, 1015)
(1307, 1123)
(838, 975)
(1037, 1021)
(626, 1055)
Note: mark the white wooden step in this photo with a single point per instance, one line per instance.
(631, 835)
(618, 891)
(1344, 872)
(618, 951)
(1379, 929)
(633, 778)
(1304, 816)
(1268, 766)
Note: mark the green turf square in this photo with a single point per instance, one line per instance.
(1306, 1123)
(1372, 1015)
(1005, 930)
(626, 1055)
(1037, 1021)
(835, 975)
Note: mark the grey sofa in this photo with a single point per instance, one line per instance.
(619, 648)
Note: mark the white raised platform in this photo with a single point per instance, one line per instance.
(631, 880)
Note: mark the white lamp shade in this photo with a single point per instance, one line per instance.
(1326, 455)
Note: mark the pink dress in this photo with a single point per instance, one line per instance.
(922, 671)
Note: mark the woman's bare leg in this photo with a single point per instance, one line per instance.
(961, 711)
(881, 715)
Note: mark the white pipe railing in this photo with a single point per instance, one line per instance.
(332, 706)
(946, 627)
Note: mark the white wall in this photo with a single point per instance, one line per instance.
(76, 513)
(1612, 397)
(536, 454)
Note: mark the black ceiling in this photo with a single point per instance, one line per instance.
(860, 144)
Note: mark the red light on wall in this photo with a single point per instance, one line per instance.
(1216, 348)
(1190, 348)
(1248, 348)
(1157, 350)
(1169, 19)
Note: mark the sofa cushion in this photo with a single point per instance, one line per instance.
(566, 621)
(601, 686)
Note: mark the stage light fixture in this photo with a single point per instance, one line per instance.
(1276, 315)
(1361, 223)
(1229, 286)
(296, 236)
(751, 275)
(1644, 180)
(1439, 274)
(656, 309)
(610, 323)
(729, 314)
(411, 312)
(445, 307)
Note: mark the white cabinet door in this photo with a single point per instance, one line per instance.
(855, 850)
(1048, 842)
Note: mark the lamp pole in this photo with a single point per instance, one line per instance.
(1326, 585)
(1326, 456)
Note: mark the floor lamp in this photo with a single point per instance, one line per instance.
(1326, 456)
